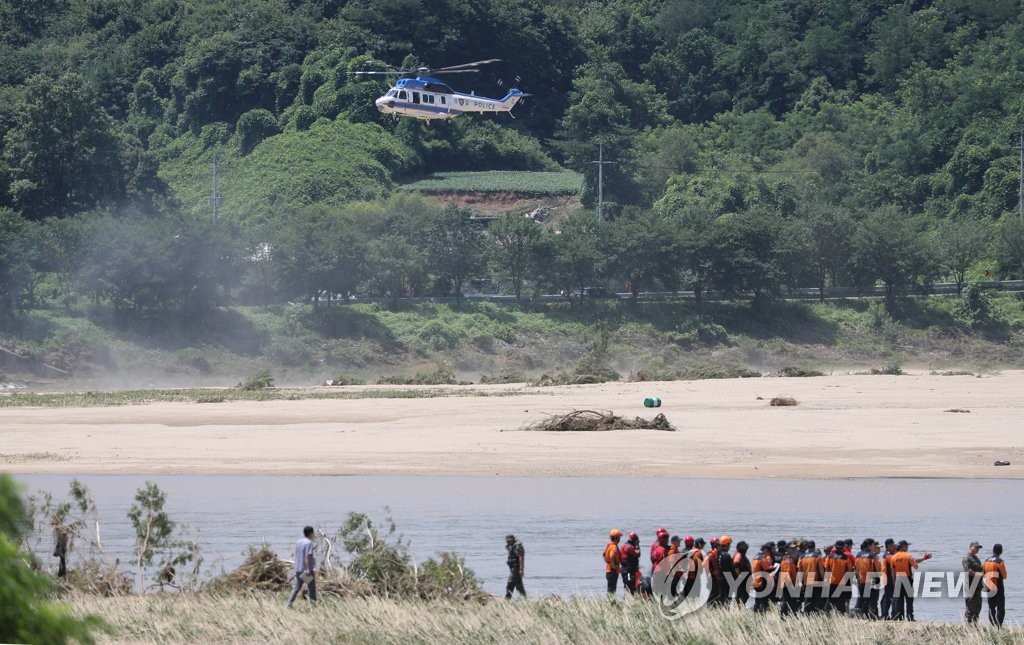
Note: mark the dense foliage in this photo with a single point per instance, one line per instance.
(25, 614)
(757, 146)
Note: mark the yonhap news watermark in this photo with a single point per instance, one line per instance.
(681, 588)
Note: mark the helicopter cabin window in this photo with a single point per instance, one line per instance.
(402, 95)
(415, 97)
(428, 98)
(442, 100)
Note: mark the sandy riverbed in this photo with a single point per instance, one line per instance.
(844, 426)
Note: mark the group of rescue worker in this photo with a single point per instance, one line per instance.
(795, 575)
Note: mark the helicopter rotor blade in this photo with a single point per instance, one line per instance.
(392, 73)
(465, 66)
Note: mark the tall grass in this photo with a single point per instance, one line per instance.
(264, 618)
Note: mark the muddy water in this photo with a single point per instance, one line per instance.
(563, 521)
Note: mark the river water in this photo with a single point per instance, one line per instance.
(563, 522)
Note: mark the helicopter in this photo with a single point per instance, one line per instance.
(428, 98)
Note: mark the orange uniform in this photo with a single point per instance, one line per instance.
(762, 564)
(902, 563)
(994, 571)
(837, 566)
(866, 566)
(787, 571)
(810, 566)
(613, 562)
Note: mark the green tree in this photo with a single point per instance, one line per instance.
(253, 127)
(890, 247)
(960, 243)
(454, 247)
(640, 247)
(1010, 244)
(25, 614)
(515, 240)
(575, 261)
(829, 234)
(317, 253)
(742, 255)
(156, 538)
(15, 261)
(63, 154)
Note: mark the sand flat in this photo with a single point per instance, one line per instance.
(844, 426)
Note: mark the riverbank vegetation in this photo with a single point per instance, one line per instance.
(181, 618)
(475, 341)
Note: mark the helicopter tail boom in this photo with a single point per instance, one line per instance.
(510, 100)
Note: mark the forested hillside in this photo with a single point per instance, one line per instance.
(759, 145)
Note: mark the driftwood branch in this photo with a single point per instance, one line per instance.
(593, 420)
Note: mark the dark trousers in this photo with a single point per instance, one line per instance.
(903, 599)
(761, 600)
(716, 590)
(867, 601)
(629, 581)
(839, 598)
(515, 583)
(613, 581)
(972, 608)
(297, 587)
(743, 595)
(790, 601)
(997, 607)
(814, 598)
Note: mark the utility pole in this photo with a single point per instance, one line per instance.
(215, 199)
(1020, 189)
(600, 180)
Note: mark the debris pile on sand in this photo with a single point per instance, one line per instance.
(592, 420)
(782, 401)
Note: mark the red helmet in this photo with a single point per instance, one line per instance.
(713, 541)
(662, 533)
(688, 540)
(633, 535)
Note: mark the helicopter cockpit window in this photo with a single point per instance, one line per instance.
(402, 95)
(393, 93)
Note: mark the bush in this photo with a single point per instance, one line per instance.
(25, 616)
(261, 380)
(254, 126)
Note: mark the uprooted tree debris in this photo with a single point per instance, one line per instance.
(594, 421)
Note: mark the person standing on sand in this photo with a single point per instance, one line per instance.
(973, 584)
(995, 574)
(305, 567)
(516, 566)
(612, 561)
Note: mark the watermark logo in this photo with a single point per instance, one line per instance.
(680, 585)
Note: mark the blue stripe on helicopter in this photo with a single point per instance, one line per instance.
(420, 106)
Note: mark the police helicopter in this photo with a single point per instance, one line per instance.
(428, 98)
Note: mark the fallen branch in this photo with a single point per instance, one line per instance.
(594, 421)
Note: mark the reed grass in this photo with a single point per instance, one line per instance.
(200, 617)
